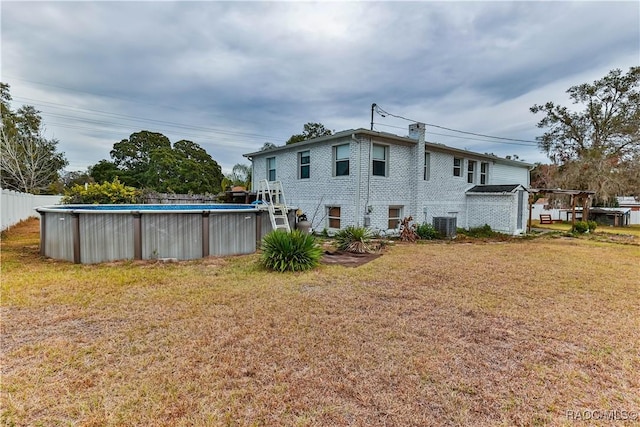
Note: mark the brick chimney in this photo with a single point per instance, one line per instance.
(416, 131)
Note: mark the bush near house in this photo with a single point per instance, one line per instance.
(294, 251)
(426, 231)
(479, 232)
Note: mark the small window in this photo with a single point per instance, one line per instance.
(395, 214)
(457, 166)
(427, 166)
(341, 155)
(271, 168)
(379, 160)
(304, 160)
(334, 216)
(484, 173)
(471, 172)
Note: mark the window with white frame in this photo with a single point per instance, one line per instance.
(304, 163)
(341, 163)
(484, 173)
(471, 171)
(395, 215)
(333, 214)
(271, 168)
(427, 166)
(457, 166)
(380, 155)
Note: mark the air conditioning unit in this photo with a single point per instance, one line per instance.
(445, 225)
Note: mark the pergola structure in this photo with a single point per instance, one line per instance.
(583, 195)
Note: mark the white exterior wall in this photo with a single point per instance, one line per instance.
(630, 202)
(16, 206)
(506, 174)
(322, 189)
(397, 189)
(500, 212)
(442, 195)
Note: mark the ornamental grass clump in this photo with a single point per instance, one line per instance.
(294, 251)
(354, 239)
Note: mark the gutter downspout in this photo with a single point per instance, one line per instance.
(529, 200)
(421, 147)
(359, 178)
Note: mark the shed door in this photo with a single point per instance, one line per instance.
(520, 208)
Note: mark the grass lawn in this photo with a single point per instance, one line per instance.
(473, 334)
(633, 230)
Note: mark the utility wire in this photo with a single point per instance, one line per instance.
(45, 104)
(384, 113)
(466, 138)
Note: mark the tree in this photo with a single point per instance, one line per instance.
(104, 171)
(133, 157)
(544, 176)
(29, 162)
(598, 147)
(197, 170)
(240, 175)
(311, 130)
(71, 178)
(148, 160)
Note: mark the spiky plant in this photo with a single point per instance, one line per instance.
(354, 239)
(294, 251)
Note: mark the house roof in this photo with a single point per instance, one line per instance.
(506, 188)
(392, 138)
(579, 193)
(628, 201)
(609, 210)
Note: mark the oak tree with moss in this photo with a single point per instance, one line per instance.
(596, 144)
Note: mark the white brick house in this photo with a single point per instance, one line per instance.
(362, 177)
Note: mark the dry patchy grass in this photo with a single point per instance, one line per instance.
(632, 231)
(513, 333)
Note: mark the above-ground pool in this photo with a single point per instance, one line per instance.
(90, 234)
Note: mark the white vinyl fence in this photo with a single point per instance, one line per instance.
(16, 206)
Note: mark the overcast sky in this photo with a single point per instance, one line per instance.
(231, 76)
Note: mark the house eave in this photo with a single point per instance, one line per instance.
(391, 138)
(433, 146)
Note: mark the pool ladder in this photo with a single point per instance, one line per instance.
(273, 197)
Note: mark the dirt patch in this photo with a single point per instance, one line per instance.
(348, 259)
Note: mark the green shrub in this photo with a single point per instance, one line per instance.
(592, 226)
(426, 231)
(106, 193)
(479, 232)
(294, 251)
(580, 227)
(354, 239)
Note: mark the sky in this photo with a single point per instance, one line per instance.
(231, 76)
